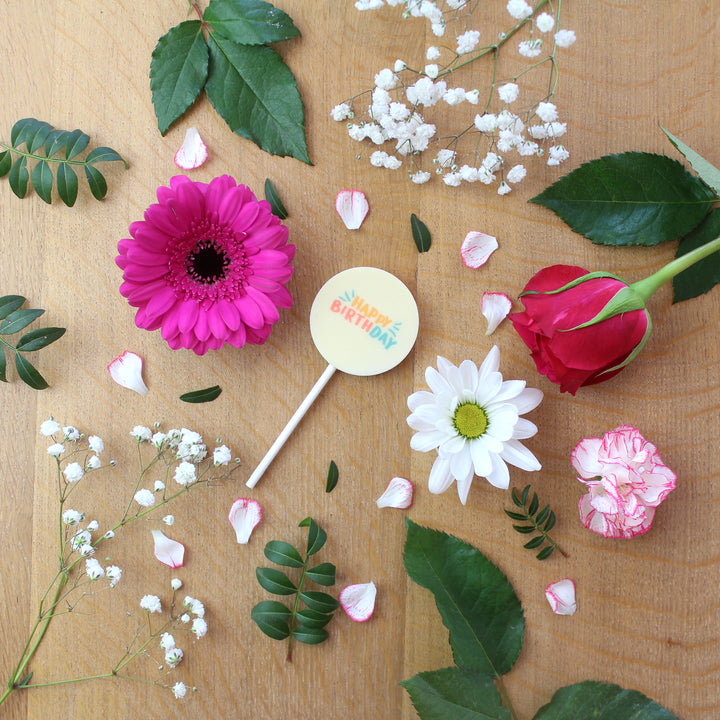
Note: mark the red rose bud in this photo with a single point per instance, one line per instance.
(582, 328)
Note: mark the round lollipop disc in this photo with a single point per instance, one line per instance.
(364, 321)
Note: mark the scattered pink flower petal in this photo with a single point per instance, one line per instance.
(495, 307)
(477, 248)
(398, 494)
(126, 370)
(561, 596)
(244, 516)
(358, 601)
(626, 479)
(193, 152)
(352, 206)
(167, 551)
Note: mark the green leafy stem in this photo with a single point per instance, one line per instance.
(14, 318)
(539, 521)
(43, 144)
(276, 620)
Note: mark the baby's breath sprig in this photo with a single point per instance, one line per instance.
(540, 521)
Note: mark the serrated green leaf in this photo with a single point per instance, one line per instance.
(475, 600)
(3, 365)
(310, 635)
(322, 574)
(55, 141)
(457, 693)
(633, 198)
(542, 515)
(96, 181)
(75, 143)
(282, 553)
(534, 504)
(104, 154)
(9, 304)
(707, 172)
(42, 179)
(256, 94)
(546, 552)
(534, 543)
(178, 71)
(20, 130)
(39, 338)
(332, 477)
(313, 618)
(18, 177)
(276, 204)
(249, 22)
(28, 374)
(601, 701)
(5, 163)
(524, 529)
(19, 319)
(420, 233)
(320, 601)
(36, 140)
(67, 184)
(317, 537)
(202, 396)
(272, 618)
(275, 581)
(704, 274)
(550, 524)
(515, 515)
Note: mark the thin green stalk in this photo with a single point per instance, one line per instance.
(34, 156)
(291, 624)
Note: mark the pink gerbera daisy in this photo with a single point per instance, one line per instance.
(208, 265)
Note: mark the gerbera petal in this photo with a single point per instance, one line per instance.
(187, 314)
(268, 309)
(160, 303)
(440, 476)
(249, 312)
(518, 455)
(499, 476)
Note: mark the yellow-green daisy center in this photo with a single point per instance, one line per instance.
(470, 420)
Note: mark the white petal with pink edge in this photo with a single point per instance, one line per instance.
(398, 494)
(358, 601)
(495, 307)
(561, 596)
(244, 516)
(169, 552)
(193, 152)
(352, 206)
(477, 248)
(126, 370)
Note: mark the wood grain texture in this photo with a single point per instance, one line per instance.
(648, 608)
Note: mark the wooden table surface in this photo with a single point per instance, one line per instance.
(648, 608)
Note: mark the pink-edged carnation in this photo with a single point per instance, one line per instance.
(207, 266)
(626, 480)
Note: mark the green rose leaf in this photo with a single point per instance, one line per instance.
(272, 618)
(282, 553)
(459, 693)
(178, 71)
(249, 22)
(601, 701)
(633, 198)
(202, 396)
(256, 94)
(476, 602)
(707, 172)
(704, 274)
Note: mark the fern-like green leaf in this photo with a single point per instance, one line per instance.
(540, 521)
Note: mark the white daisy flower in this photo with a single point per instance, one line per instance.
(472, 418)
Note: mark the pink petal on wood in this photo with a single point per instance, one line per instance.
(193, 152)
(244, 516)
(126, 370)
(358, 601)
(167, 551)
(476, 248)
(398, 494)
(561, 596)
(352, 206)
(495, 307)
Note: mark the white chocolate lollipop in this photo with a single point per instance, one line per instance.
(363, 321)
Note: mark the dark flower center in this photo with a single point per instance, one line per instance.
(207, 263)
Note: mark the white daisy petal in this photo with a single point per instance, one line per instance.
(463, 488)
(499, 476)
(528, 400)
(426, 441)
(436, 381)
(461, 465)
(510, 389)
(440, 478)
(524, 429)
(422, 397)
(491, 363)
(469, 373)
(481, 458)
(487, 388)
(518, 455)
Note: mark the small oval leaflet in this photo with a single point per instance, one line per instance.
(202, 396)
(420, 233)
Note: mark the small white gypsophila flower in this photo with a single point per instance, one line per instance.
(527, 148)
(399, 66)
(469, 173)
(492, 162)
(179, 690)
(519, 9)
(194, 605)
(199, 627)
(113, 573)
(169, 520)
(565, 38)
(87, 550)
(432, 70)
(92, 526)
(93, 569)
(445, 157)
(93, 462)
(386, 79)
(467, 42)
(81, 537)
(72, 517)
(109, 535)
(516, 174)
(486, 122)
(399, 111)
(145, 497)
(546, 111)
(96, 444)
(377, 158)
(159, 485)
(557, 154)
(71, 433)
(530, 48)
(555, 129)
(174, 656)
(176, 583)
(473, 96)
(49, 427)
(456, 4)
(454, 96)
(433, 53)
(545, 22)
(56, 449)
(141, 433)
(431, 11)
(425, 92)
(507, 140)
(503, 188)
(438, 29)
(151, 603)
(508, 92)
(185, 473)
(340, 112)
(167, 641)
(185, 618)
(73, 472)
(420, 177)
(539, 132)
(392, 163)
(159, 439)
(452, 179)
(485, 175)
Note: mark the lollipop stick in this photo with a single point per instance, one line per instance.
(292, 423)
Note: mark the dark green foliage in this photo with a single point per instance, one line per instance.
(420, 233)
(202, 396)
(332, 477)
(541, 521)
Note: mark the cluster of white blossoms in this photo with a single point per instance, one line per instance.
(513, 126)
